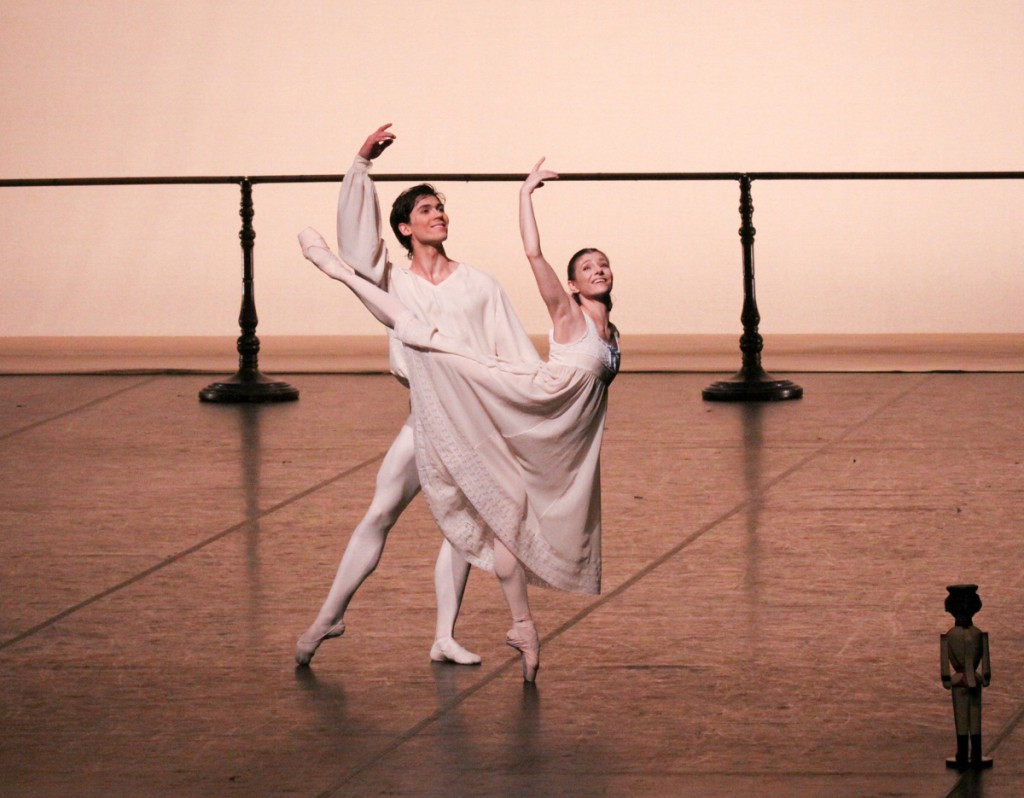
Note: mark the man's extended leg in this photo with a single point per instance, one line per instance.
(397, 484)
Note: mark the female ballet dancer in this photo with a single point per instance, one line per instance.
(507, 451)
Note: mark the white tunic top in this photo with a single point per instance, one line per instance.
(469, 305)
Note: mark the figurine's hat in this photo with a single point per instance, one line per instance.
(964, 598)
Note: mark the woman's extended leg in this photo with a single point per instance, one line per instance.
(523, 634)
(384, 307)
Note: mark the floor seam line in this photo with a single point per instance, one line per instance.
(409, 734)
(73, 410)
(181, 555)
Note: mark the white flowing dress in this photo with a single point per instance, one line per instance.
(512, 449)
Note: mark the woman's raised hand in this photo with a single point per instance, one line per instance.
(378, 141)
(537, 177)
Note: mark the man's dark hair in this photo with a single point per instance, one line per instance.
(402, 207)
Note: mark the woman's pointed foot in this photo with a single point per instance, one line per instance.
(310, 238)
(445, 649)
(523, 638)
(311, 639)
(316, 250)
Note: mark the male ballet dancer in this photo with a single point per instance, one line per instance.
(467, 304)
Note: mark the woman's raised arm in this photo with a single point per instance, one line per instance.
(566, 317)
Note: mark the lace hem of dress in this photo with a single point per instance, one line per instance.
(470, 506)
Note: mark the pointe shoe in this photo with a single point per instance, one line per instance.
(307, 645)
(315, 250)
(310, 238)
(445, 649)
(523, 638)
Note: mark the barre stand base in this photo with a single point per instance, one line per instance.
(756, 386)
(984, 764)
(248, 386)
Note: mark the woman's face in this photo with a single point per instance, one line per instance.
(428, 223)
(593, 276)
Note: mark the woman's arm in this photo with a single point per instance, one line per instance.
(384, 307)
(566, 317)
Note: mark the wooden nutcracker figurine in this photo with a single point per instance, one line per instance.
(964, 651)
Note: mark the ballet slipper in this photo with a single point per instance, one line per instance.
(523, 638)
(307, 645)
(310, 238)
(315, 250)
(447, 650)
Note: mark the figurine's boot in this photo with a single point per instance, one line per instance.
(961, 751)
(975, 749)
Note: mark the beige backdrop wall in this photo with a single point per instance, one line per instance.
(205, 87)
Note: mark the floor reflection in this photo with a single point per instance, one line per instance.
(534, 755)
(752, 468)
(329, 696)
(251, 462)
(457, 743)
(752, 417)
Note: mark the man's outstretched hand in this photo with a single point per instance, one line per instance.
(377, 142)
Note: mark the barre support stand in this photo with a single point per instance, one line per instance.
(751, 383)
(248, 384)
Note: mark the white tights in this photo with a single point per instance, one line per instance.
(397, 485)
(512, 578)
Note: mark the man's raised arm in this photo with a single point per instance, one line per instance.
(360, 239)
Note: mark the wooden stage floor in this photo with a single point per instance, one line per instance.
(769, 626)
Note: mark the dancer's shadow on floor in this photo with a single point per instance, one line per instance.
(328, 697)
(498, 739)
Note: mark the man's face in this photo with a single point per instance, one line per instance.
(428, 223)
